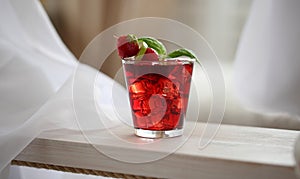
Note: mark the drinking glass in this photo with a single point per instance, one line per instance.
(158, 95)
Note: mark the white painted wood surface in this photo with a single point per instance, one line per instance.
(236, 152)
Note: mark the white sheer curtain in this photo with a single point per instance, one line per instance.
(267, 75)
(35, 78)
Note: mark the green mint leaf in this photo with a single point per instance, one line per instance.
(182, 52)
(143, 47)
(155, 44)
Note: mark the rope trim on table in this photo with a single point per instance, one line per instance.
(77, 170)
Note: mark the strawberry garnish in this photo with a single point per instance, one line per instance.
(127, 46)
(148, 49)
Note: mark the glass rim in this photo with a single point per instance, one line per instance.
(166, 61)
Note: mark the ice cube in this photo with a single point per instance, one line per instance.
(155, 101)
(137, 87)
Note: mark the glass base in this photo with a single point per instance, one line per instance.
(158, 134)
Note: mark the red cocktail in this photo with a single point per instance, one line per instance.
(158, 94)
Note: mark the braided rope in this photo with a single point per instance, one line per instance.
(77, 170)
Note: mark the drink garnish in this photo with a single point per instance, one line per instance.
(182, 52)
(148, 49)
(154, 44)
(127, 46)
(143, 47)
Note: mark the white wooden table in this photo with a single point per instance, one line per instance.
(235, 152)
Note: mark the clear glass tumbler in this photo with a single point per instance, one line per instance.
(158, 94)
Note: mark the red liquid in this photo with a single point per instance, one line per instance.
(158, 93)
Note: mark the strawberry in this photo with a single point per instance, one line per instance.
(150, 55)
(127, 46)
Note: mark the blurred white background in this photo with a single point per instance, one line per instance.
(219, 22)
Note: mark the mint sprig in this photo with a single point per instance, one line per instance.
(183, 52)
(143, 47)
(155, 44)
